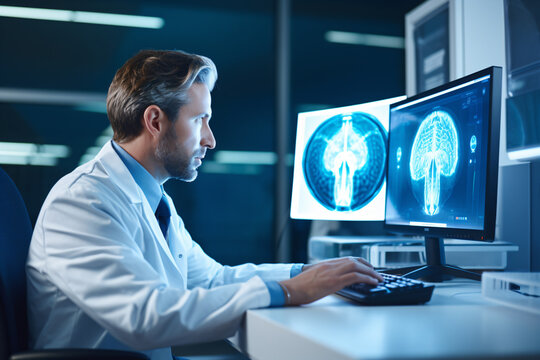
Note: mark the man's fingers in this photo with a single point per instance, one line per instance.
(372, 273)
(353, 266)
(363, 261)
(354, 278)
(339, 261)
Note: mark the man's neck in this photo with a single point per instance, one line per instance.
(143, 151)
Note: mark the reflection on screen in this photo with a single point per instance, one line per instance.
(340, 162)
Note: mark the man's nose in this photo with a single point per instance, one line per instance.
(207, 139)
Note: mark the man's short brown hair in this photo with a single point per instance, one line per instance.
(154, 77)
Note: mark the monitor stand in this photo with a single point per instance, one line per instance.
(436, 269)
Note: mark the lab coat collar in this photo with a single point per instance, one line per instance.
(121, 176)
(119, 173)
(151, 189)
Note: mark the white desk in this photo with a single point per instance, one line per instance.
(457, 323)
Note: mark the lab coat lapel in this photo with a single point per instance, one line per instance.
(176, 243)
(122, 177)
(150, 217)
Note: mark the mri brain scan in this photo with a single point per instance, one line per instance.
(344, 161)
(434, 158)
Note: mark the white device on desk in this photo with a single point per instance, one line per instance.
(396, 252)
(518, 290)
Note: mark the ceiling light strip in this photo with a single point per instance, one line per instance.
(249, 157)
(245, 157)
(353, 38)
(86, 17)
(32, 154)
(54, 97)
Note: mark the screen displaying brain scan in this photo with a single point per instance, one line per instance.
(438, 158)
(340, 162)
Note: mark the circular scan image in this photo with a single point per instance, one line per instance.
(344, 161)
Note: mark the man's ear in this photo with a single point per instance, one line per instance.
(154, 120)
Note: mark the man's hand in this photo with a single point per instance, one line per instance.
(327, 277)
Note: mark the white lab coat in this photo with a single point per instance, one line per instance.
(101, 274)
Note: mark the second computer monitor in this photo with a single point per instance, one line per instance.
(340, 160)
(443, 159)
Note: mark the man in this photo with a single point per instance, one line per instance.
(111, 264)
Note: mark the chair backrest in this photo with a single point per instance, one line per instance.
(15, 235)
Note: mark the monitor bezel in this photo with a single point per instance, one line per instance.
(488, 231)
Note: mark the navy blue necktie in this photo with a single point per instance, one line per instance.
(163, 215)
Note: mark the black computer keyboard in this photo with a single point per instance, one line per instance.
(395, 290)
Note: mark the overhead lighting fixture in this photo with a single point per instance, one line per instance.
(353, 38)
(32, 154)
(212, 167)
(86, 17)
(51, 97)
(93, 107)
(242, 162)
(245, 157)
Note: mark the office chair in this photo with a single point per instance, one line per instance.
(15, 235)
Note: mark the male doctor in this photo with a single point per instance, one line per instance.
(111, 264)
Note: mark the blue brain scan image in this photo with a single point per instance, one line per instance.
(434, 158)
(344, 161)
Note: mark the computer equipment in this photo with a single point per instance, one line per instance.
(523, 79)
(442, 168)
(384, 252)
(520, 290)
(395, 290)
(340, 161)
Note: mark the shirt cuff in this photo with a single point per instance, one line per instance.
(296, 269)
(277, 297)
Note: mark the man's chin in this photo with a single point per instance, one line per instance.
(192, 178)
(187, 177)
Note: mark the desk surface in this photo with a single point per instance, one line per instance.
(457, 323)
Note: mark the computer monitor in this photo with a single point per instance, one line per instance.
(442, 167)
(340, 161)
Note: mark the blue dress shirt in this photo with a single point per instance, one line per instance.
(154, 191)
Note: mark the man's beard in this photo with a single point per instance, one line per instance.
(174, 161)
